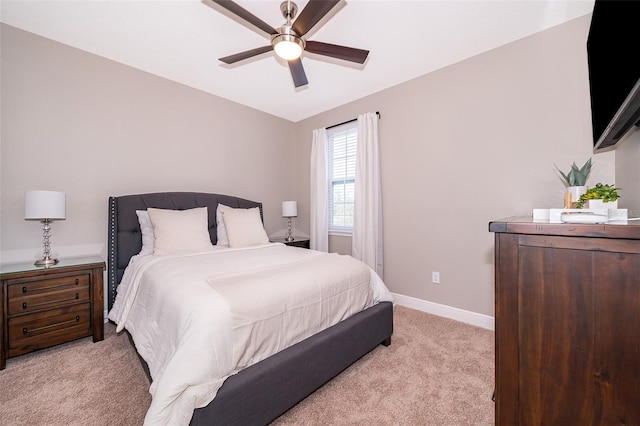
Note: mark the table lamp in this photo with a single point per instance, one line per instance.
(289, 210)
(45, 206)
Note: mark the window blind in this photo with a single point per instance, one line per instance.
(342, 171)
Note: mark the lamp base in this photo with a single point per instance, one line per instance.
(46, 262)
(289, 236)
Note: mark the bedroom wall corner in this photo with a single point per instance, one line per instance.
(90, 127)
(467, 144)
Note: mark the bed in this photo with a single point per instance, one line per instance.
(261, 392)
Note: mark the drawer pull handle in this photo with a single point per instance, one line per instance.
(25, 330)
(76, 282)
(77, 296)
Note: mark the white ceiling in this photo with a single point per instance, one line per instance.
(181, 40)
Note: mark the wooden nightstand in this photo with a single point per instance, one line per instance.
(43, 307)
(298, 242)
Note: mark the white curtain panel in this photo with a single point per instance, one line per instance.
(367, 220)
(319, 222)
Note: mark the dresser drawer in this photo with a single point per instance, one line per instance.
(36, 294)
(48, 328)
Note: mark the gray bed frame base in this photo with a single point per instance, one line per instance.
(260, 393)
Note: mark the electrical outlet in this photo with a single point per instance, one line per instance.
(435, 277)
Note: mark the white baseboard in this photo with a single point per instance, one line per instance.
(473, 318)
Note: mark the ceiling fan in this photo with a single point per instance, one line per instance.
(287, 40)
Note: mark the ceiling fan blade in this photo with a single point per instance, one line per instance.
(239, 11)
(340, 52)
(313, 12)
(246, 54)
(297, 72)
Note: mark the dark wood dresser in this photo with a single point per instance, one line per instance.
(42, 307)
(567, 308)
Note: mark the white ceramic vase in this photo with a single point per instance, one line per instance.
(599, 204)
(576, 192)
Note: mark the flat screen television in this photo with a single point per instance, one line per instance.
(613, 52)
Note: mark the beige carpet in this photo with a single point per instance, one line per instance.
(436, 372)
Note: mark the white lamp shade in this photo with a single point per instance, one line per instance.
(40, 205)
(289, 209)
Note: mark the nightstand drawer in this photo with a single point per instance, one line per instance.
(38, 285)
(28, 296)
(44, 329)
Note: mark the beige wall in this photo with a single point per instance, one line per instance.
(628, 174)
(471, 143)
(78, 123)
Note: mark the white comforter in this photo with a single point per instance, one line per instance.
(178, 309)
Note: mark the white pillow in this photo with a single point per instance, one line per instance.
(221, 231)
(147, 232)
(180, 230)
(244, 227)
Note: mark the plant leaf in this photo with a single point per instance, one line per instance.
(586, 168)
(566, 178)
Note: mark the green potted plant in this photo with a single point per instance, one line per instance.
(576, 179)
(601, 196)
(577, 176)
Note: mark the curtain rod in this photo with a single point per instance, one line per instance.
(350, 121)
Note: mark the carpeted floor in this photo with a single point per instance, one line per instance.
(436, 372)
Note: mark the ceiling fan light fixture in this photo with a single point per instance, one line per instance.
(288, 46)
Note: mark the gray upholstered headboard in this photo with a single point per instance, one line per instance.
(125, 237)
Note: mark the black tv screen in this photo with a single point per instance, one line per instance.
(613, 51)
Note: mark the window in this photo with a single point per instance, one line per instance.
(342, 174)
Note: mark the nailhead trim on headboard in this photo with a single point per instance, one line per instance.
(111, 271)
(125, 237)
